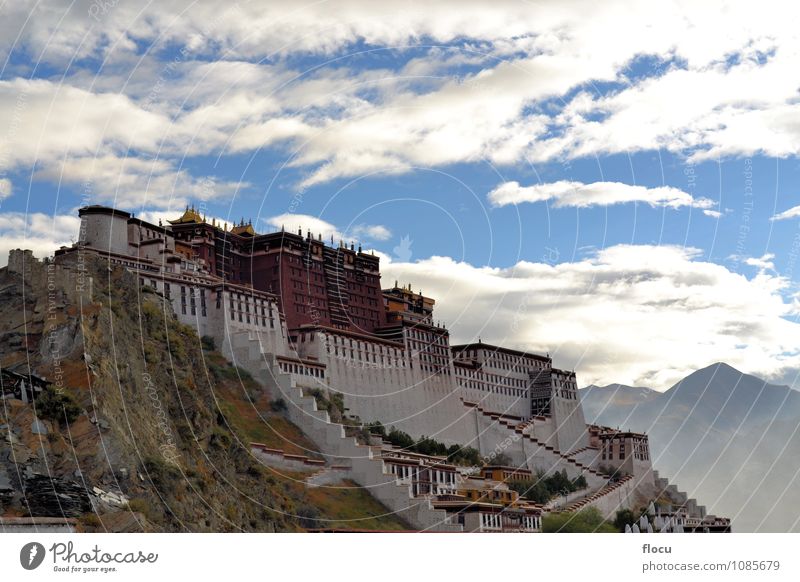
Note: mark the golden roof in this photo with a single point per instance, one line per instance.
(190, 215)
(244, 229)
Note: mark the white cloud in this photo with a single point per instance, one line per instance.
(640, 315)
(5, 188)
(37, 231)
(728, 86)
(135, 182)
(762, 263)
(577, 194)
(787, 214)
(371, 232)
(353, 233)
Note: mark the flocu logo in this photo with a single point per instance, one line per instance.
(31, 555)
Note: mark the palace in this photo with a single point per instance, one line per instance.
(306, 317)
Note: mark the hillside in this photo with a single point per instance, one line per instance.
(138, 408)
(729, 438)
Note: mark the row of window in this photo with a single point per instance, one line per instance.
(293, 368)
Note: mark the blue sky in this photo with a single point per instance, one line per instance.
(612, 184)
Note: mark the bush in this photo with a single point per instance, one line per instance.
(400, 439)
(588, 520)
(624, 517)
(501, 460)
(141, 505)
(278, 405)
(427, 446)
(90, 520)
(163, 475)
(58, 406)
(377, 428)
(151, 311)
(542, 489)
(208, 343)
(308, 517)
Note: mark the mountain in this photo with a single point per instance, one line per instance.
(728, 438)
(595, 399)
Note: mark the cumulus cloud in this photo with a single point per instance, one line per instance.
(353, 233)
(135, 182)
(639, 315)
(566, 193)
(5, 188)
(37, 231)
(793, 212)
(723, 84)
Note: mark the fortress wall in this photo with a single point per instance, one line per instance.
(412, 400)
(542, 429)
(415, 402)
(623, 497)
(498, 402)
(493, 439)
(570, 424)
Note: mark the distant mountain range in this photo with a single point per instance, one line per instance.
(728, 438)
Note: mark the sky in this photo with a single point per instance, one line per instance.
(615, 184)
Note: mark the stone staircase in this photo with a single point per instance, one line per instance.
(679, 498)
(577, 452)
(359, 462)
(560, 459)
(592, 498)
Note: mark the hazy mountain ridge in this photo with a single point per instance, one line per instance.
(730, 438)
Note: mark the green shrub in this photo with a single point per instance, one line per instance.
(542, 489)
(143, 506)
(307, 516)
(456, 454)
(90, 520)
(588, 520)
(377, 428)
(624, 517)
(151, 311)
(208, 343)
(278, 405)
(57, 405)
(163, 475)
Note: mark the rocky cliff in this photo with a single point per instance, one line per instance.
(143, 426)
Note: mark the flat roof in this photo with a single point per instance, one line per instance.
(494, 348)
(98, 209)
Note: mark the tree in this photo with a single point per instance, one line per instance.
(57, 405)
(624, 517)
(501, 460)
